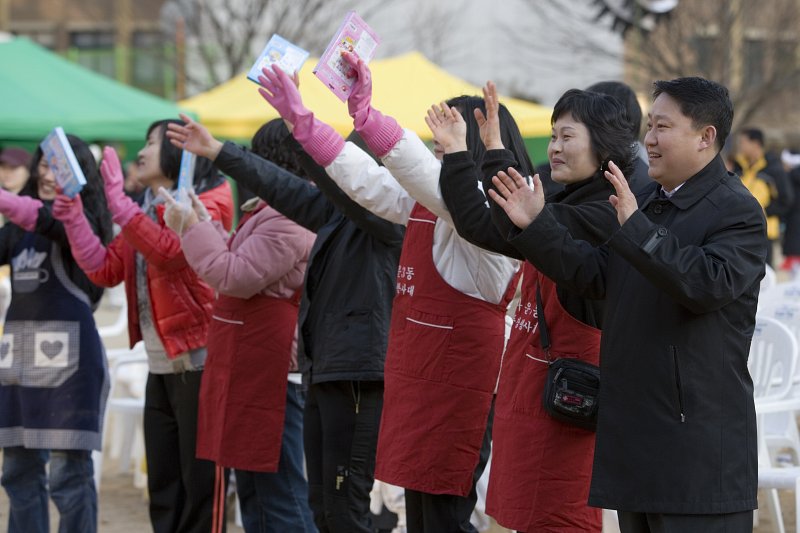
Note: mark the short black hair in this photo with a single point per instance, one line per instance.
(509, 132)
(205, 175)
(605, 117)
(271, 143)
(625, 95)
(704, 101)
(754, 134)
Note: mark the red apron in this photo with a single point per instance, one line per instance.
(541, 468)
(441, 370)
(243, 391)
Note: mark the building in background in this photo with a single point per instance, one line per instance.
(121, 39)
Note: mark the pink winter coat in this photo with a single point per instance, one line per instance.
(258, 274)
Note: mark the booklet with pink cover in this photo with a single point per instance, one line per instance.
(354, 35)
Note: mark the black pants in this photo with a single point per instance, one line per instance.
(446, 513)
(685, 523)
(181, 487)
(340, 434)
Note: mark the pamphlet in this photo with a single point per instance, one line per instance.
(62, 162)
(288, 57)
(354, 35)
(186, 176)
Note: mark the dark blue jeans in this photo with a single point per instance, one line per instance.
(71, 485)
(278, 502)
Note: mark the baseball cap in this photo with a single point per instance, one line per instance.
(15, 157)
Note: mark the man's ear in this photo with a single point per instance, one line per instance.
(708, 138)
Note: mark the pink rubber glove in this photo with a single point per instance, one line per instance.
(21, 210)
(86, 248)
(319, 140)
(379, 131)
(122, 208)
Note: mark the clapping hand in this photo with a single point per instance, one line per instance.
(521, 202)
(448, 128)
(624, 201)
(489, 125)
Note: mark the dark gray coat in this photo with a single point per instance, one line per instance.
(677, 426)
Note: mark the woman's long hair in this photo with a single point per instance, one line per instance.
(93, 193)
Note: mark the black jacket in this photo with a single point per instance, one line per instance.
(677, 428)
(473, 218)
(350, 279)
(638, 180)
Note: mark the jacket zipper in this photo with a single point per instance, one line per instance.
(678, 382)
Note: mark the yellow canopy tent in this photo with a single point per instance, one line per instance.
(404, 87)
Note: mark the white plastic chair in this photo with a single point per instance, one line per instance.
(118, 301)
(128, 374)
(772, 362)
(784, 292)
(780, 429)
(769, 280)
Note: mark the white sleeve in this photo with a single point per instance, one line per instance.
(370, 185)
(417, 170)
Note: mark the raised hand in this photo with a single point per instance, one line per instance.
(489, 125)
(521, 202)
(198, 206)
(448, 128)
(21, 210)
(624, 201)
(67, 209)
(85, 246)
(122, 208)
(318, 139)
(360, 97)
(193, 137)
(380, 132)
(280, 90)
(178, 216)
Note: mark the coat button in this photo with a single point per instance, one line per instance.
(662, 232)
(657, 209)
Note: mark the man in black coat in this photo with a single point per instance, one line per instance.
(680, 272)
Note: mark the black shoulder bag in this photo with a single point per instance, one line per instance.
(572, 387)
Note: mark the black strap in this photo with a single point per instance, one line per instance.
(544, 336)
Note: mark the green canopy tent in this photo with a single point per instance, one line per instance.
(40, 90)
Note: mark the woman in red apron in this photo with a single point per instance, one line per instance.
(448, 316)
(541, 467)
(248, 418)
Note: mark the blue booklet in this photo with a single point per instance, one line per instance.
(61, 160)
(186, 175)
(288, 57)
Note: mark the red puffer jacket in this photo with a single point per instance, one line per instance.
(180, 300)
